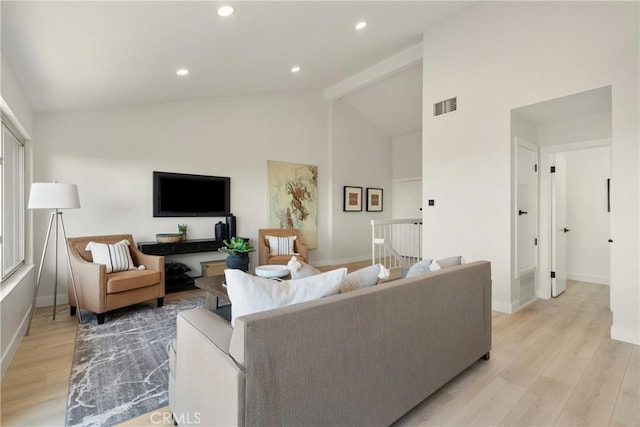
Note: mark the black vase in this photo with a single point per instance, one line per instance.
(231, 226)
(221, 231)
(238, 262)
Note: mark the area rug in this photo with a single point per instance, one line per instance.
(121, 368)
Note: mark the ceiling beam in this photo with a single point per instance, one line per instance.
(383, 69)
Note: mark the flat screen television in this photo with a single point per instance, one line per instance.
(182, 195)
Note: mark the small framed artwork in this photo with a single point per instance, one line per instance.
(374, 199)
(352, 199)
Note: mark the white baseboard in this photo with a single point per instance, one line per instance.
(48, 300)
(589, 278)
(14, 343)
(626, 335)
(501, 306)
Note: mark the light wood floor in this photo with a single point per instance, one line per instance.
(552, 363)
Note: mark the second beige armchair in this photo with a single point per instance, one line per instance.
(264, 251)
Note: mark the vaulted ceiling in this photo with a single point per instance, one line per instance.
(70, 55)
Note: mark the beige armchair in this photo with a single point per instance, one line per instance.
(263, 246)
(99, 291)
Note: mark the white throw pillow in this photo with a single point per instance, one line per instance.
(300, 269)
(280, 245)
(115, 256)
(251, 294)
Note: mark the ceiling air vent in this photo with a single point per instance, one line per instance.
(446, 106)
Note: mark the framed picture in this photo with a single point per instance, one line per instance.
(352, 199)
(374, 199)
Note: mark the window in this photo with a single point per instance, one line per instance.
(12, 205)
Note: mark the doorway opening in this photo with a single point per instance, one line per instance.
(572, 136)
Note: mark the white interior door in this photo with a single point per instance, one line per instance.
(559, 228)
(526, 213)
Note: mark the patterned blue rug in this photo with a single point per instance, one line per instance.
(121, 368)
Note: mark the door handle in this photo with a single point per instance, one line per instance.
(566, 230)
(522, 212)
(610, 240)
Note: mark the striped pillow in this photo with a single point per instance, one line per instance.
(115, 256)
(281, 245)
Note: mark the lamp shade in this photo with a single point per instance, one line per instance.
(53, 195)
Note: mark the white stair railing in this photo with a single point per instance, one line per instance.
(396, 242)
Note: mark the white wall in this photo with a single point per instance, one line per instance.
(360, 156)
(587, 216)
(111, 153)
(17, 293)
(509, 55)
(407, 155)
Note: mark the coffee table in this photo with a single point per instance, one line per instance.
(215, 292)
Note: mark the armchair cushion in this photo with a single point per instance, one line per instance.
(122, 281)
(280, 245)
(115, 256)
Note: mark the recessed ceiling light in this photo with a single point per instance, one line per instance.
(225, 10)
(360, 25)
(295, 69)
(182, 72)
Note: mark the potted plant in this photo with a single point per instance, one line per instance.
(182, 229)
(237, 253)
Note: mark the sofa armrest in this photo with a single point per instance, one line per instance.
(263, 253)
(302, 249)
(151, 262)
(208, 381)
(90, 281)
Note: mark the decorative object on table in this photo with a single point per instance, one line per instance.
(237, 250)
(54, 196)
(231, 225)
(220, 230)
(293, 198)
(169, 237)
(182, 229)
(352, 199)
(272, 271)
(374, 199)
(121, 369)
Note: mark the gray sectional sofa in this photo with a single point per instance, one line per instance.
(361, 358)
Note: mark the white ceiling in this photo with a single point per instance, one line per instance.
(401, 111)
(591, 102)
(69, 55)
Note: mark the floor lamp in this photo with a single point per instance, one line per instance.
(54, 196)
